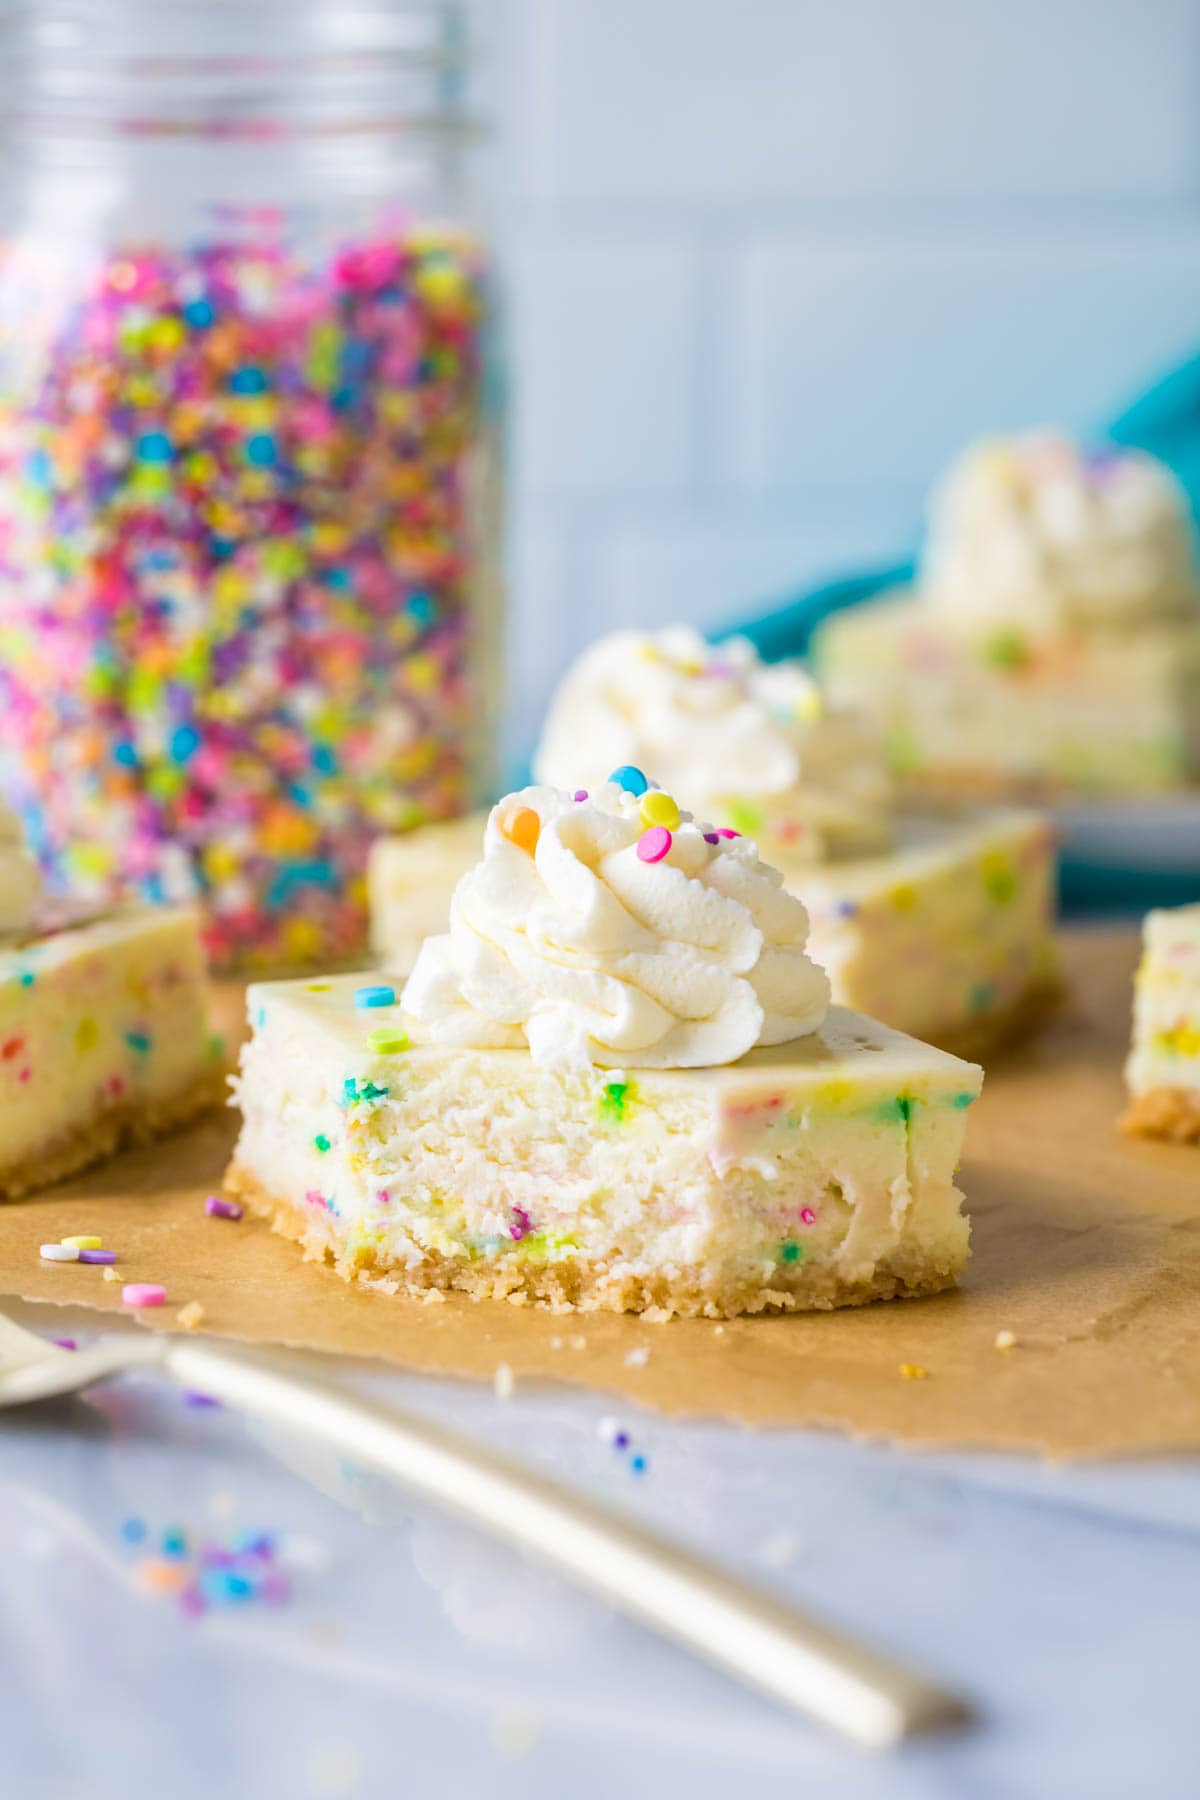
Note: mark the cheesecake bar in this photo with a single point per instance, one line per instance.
(614, 1082)
(1051, 643)
(104, 1039)
(1012, 712)
(810, 1174)
(1163, 1071)
(946, 935)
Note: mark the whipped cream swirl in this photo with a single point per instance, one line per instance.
(745, 743)
(20, 882)
(1032, 531)
(564, 938)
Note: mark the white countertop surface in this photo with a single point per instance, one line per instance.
(415, 1658)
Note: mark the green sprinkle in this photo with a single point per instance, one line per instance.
(613, 1101)
(386, 1040)
(139, 1041)
(898, 1111)
(27, 978)
(982, 996)
(322, 1142)
(371, 1090)
(962, 1101)
(1007, 649)
(791, 1253)
(746, 819)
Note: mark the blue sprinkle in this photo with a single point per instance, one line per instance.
(248, 381)
(339, 579)
(219, 548)
(139, 1041)
(185, 741)
(133, 1531)
(349, 1091)
(199, 313)
(631, 779)
(420, 608)
(174, 1543)
(324, 760)
(125, 755)
(154, 447)
(260, 1017)
(845, 909)
(638, 1464)
(39, 468)
(375, 996)
(260, 449)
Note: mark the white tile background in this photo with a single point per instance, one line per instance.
(771, 261)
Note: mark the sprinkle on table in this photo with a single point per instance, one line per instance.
(376, 995)
(84, 1242)
(99, 1257)
(143, 1293)
(218, 1208)
(914, 1371)
(1006, 1340)
(59, 1253)
(190, 1316)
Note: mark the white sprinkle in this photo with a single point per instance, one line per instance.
(1005, 1340)
(296, 1551)
(779, 1550)
(222, 1504)
(578, 1341)
(607, 1429)
(515, 1731)
(637, 1359)
(59, 1253)
(504, 1382)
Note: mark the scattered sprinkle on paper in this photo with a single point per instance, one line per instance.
(504, 1382)
(637, 1359)
(189, 1316)
(1005, 1340)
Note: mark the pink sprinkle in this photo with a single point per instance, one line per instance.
(724, 831)
(521, 1226)
(581, 793)
(216, 1208)
(143, 1293)
(384, 1196)
(807, 1216)
(654, 844)
(66, 1343)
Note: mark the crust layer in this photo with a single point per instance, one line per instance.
(1166, 1112)
(570, 1285)
(100, 1138)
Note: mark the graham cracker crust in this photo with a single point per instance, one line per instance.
(574, 1286)
(100, 1138)
(1166, 1112)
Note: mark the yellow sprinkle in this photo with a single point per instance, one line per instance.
(809, 706)
(659, 809)
(87, 1034)
(914, 1371)
(189, 1316)
(903, 896)
(1005, 1340)
(83, 1243)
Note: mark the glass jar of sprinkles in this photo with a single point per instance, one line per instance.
(248, 453)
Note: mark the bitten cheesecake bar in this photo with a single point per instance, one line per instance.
(1163, 1071)
(615, 1083)
(104, 1039)
(817, 1173)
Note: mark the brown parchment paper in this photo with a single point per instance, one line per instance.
(1086, 1247)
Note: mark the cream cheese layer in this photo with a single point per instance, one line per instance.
(1166, 1008)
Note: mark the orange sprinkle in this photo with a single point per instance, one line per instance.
(523, 828)
(157, 1575)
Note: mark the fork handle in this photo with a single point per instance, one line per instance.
(802, 1662)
